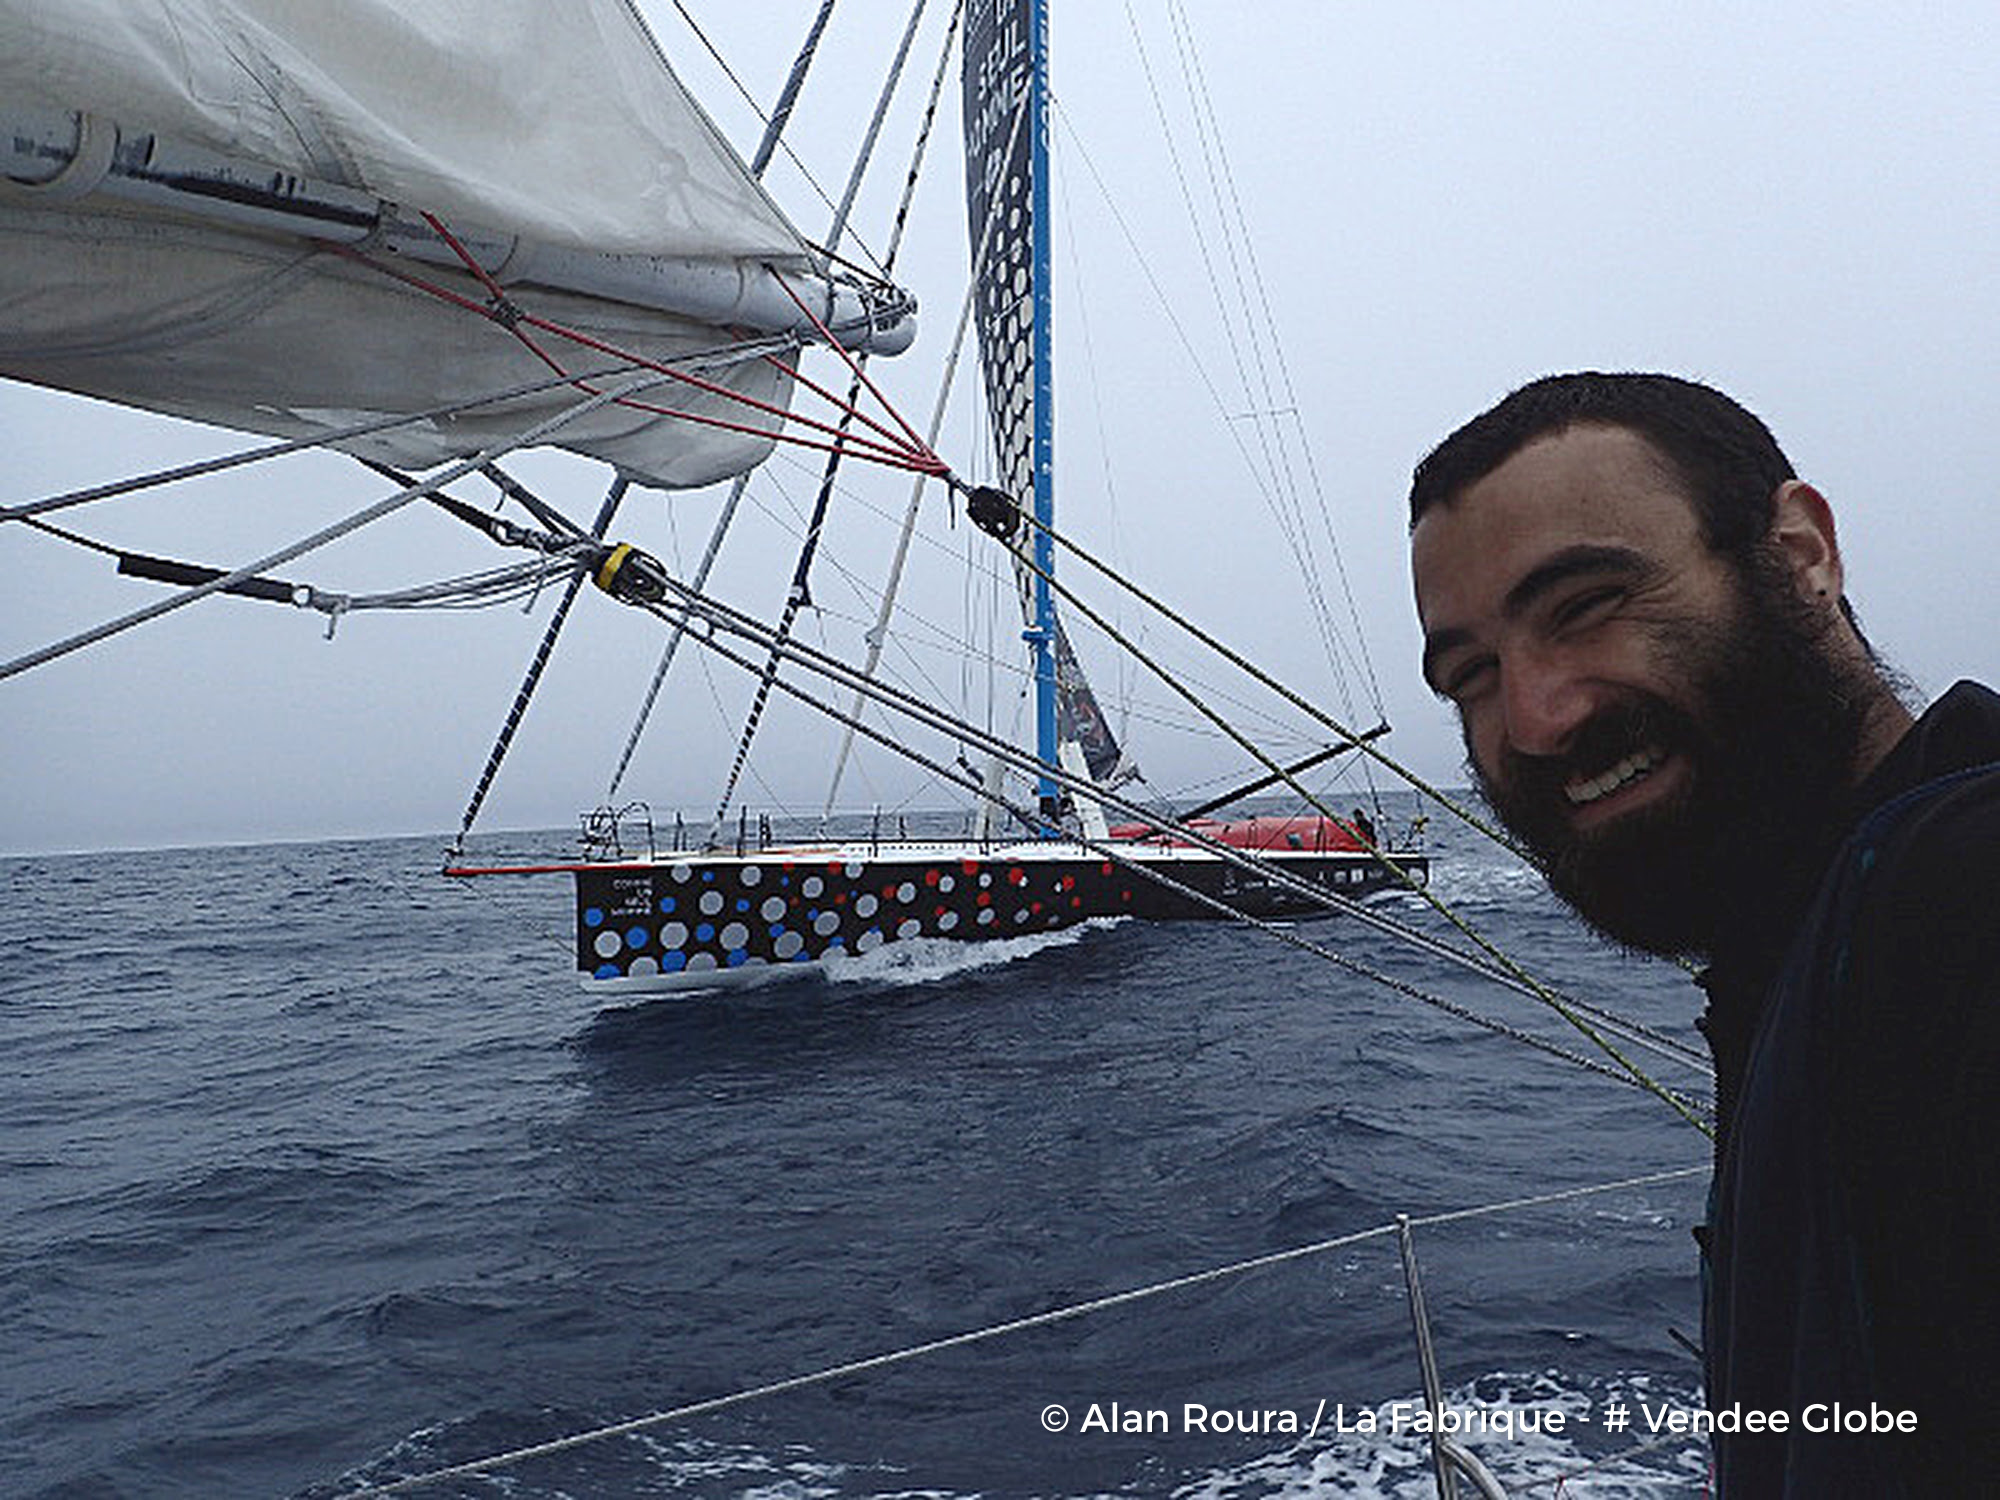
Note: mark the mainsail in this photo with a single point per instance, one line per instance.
(200, 194)
(1002, 161)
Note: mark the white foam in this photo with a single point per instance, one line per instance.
(926, 960)
(1392, 1465)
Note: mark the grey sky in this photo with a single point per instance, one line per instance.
(1444, 201)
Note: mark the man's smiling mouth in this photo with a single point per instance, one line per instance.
(1583, 791)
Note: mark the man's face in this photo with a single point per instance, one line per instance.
(1654, 725)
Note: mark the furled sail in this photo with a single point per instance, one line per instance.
(999, 168)
(185, 175)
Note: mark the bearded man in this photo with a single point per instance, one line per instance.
(1637, 609)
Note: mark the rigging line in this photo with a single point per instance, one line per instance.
(321, 538)
(721, 616)
(1539, 991)
(1257, 674)
(1233, 428)
(774, 131)
(331, 437)
(891, 588)
(1236, 242)
(800, 594)
(495, 586)
(773, 125)
(1046, 1318)
(1275, 873)
(533, 679)
(504, 312)
(866, 151)
(1290, 401)
(788, 96)
(722, 523)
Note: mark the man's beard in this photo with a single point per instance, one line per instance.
(1769, 726)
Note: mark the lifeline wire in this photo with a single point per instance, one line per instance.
(999, 1330)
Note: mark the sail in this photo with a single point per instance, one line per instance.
(999, 176)
(550, 136)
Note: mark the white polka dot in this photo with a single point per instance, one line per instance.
(788, 944)
(734, 936)
(752, 874)
(711, 903)
(673, 935)
(909, 928)
(812, 887)
(948, 921)
(608, 944)
(906, 892)
(773, 908)
(864, 906)
(827, 923)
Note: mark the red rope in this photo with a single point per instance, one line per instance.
(912, 454)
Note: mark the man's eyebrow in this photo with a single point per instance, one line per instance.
(1551, 573)
(1570, 562)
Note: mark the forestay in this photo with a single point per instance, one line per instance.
(546, 136)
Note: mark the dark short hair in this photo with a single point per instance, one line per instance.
(1728, 463)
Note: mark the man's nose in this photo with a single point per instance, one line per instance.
(1544, 703)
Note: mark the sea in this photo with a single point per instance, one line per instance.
(321, 1173)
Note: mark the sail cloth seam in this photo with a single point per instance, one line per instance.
(1046, 1318)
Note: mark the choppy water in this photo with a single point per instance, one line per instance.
(317, 1170)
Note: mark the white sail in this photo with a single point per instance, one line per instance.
(553, 138)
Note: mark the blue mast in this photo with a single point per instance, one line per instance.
(1041, 636)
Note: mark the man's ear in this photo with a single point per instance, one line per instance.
(1802, 530)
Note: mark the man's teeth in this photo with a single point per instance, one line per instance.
(1630, 769)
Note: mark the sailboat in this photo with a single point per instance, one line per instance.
(227, 182)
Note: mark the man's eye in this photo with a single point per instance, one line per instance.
(1465, 681)
(1587, 606)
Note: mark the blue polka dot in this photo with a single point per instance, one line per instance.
(606, 971)
(743, 905)
(708, 877)
(705, 933)
(593, 916)
(777, 929)
(636, 937)
(667, 904)
(737, 956)
(674, 962)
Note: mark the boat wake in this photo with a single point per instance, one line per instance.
(917, 961)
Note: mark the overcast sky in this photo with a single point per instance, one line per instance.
(1794, 202)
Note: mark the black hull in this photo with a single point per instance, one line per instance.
(705, 919)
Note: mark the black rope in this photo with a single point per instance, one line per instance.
(534, 675)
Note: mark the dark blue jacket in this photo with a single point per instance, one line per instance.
(1852, 1254)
